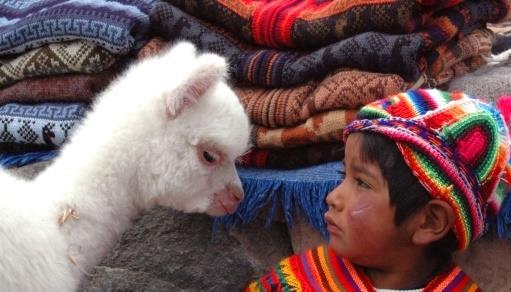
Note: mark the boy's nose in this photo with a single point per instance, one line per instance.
(334, 198)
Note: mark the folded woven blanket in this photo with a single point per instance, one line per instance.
(58, 58)
(461, 55)
(48, 124)
(457, 70)
(285, 107)
(118, 26)
(292, 158)
(320, 128)
(310, 23)
(371, 51)
(66, 87)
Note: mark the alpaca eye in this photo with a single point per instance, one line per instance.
(208, 157)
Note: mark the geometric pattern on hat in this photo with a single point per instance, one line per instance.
(457, 147)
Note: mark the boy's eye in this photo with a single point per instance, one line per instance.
(361, 183)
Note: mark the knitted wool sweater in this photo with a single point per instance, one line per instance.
(321, 270)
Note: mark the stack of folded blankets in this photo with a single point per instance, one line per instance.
(303, 68)
(300, 68)
(55, 57)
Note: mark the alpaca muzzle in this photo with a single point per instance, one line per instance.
(230, 198)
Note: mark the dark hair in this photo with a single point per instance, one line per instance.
(406, 192)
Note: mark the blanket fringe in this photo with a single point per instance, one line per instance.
(502, 221)
(296, 198)
(19, 160)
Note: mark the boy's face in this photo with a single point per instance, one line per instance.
(360, 218)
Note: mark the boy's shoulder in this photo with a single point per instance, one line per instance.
(320, 269)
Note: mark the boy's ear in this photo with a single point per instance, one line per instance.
(434, 221)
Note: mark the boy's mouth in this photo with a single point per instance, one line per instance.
(331, 226)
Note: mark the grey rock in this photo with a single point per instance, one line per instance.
(177, 248)
(113, 279)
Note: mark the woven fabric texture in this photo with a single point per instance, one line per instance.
(58, 58)
(332, 273)
(65, 87)
(117, 26)
(47, 124)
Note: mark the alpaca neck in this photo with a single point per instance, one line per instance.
(97, 182)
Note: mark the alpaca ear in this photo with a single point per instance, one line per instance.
(209, 69)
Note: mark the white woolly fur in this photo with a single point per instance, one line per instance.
(140, 146)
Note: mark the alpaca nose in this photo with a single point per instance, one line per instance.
(236, 192)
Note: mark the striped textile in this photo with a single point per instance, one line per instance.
(65, 87)
(477, 43)
(291, 106)
(320, 269)
(312, 23)
(321, 128)
(117, 25)
(370, 51)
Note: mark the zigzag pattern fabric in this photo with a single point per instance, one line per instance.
(48, 124)
(311, 23)
(320, 269)
(457, 146)
(118, 26)
(58, 58)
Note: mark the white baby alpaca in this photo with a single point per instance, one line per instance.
(166, 133)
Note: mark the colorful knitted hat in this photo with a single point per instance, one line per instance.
(457, 146)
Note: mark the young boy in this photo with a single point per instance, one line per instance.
(423, 169)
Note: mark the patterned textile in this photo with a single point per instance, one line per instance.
(477, 43)
(68, 87)
(47, 125)
(77, 56)
(320, 269)
(441, 26)
(310, 23)
(457, 147)
(458, 69)
(285, 107)
(117, 26)
(491, 81)
(320, 128)
(292, 158)
(371, 51)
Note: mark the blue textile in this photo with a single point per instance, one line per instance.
(48, 124)
(300, 191)
(117, 26)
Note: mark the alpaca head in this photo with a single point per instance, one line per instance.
(198, 129)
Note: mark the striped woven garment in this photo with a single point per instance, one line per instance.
(456, 146)
(320, 269)
(312, 23)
